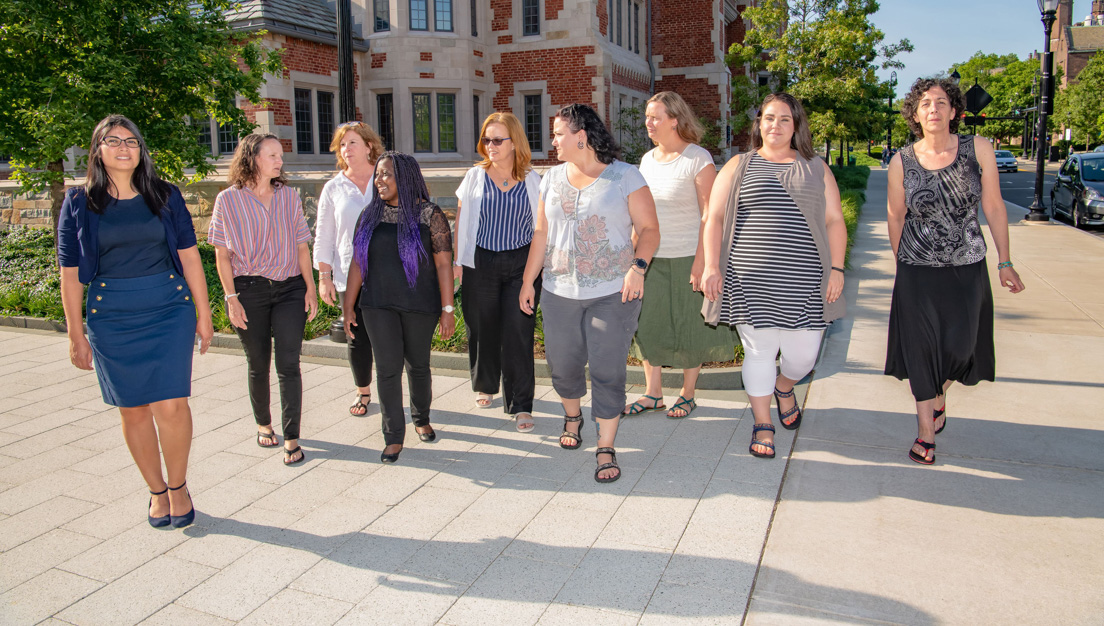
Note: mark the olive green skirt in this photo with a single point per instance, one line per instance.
(671, 331)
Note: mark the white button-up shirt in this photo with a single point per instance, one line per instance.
(339, 208)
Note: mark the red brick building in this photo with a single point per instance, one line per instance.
(1075, 43)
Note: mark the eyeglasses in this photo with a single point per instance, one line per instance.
(115, 142)
(496, 141)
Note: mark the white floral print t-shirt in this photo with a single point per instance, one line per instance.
(589, 231)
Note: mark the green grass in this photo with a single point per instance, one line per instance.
(853, 200)
(860, 157)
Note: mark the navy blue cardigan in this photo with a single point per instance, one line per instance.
(78, 232)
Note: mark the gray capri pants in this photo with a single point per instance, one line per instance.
(597, 332)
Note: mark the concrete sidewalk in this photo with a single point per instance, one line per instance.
(1008, 526)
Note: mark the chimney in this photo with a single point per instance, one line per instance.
(1097, 12)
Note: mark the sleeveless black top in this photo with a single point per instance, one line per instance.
(941, 225)
(385, 286)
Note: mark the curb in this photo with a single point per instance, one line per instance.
(451, 363)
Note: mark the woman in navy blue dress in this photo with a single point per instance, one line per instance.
(129, 237)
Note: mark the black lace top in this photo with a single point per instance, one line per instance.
(385, 285)
(941, 224)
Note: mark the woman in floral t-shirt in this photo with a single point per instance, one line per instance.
(593, 273)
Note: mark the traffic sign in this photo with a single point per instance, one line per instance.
(977, 98)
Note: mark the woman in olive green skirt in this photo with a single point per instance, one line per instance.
(671, 331)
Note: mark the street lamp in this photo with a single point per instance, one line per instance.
(1047, 8)
(889, 126)
(955, 76)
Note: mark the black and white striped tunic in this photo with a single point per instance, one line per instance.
(774, 272)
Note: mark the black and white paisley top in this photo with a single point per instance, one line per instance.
(941, 224)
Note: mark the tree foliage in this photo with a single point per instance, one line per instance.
(65, 66)
(1080, 106)
(1008, 79)
(826, 53)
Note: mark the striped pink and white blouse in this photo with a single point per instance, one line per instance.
(261, 242)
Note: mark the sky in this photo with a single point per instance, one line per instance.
(941, 33)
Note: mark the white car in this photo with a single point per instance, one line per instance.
(1006, 161)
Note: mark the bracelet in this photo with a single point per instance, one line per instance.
(636, 269)
(229, 295)
(838, 269)
(1001, 266)
(325, 273)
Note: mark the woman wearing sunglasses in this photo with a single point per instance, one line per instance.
(494, 226)
(343, 199)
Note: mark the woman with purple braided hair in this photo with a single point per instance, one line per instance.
(402, 270)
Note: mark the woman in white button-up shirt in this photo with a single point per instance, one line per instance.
(357, 147)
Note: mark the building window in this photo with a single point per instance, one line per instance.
(446, 122)
(385, 107)
(478, 123)
(620, 3)
(304, 138)
(442, 15)
(609, 20)
(382, 10)
(227, 139)
(423, 133)
(419, 14)
(325, 120)
(205, 135)
(636, 25)
(534, 129)
(530, 17)
(474, 18)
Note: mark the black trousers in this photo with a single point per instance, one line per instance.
(276, 313)
(500, 336)
(360, 348)
(401, 337)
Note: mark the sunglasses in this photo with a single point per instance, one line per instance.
(496, 141)
(115, 142)
(343, 125)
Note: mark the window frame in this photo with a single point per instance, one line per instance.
(376, 6)
(438, 95)
(535, 6)
(386, 131)
(537, 136)
(437, 16)
(325, 137)
(414, 96)
(426, 8)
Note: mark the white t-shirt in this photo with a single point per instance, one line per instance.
(676, 199)
(339, 208)
(590, 244)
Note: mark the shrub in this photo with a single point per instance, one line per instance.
(30, 283)
(853, 200)
(851, 177)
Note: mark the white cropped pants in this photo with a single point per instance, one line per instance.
(799, 350)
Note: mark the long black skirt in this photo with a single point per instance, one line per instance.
(941, 327)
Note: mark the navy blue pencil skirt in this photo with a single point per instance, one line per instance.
(142, 332)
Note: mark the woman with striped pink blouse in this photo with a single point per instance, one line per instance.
(264, 263)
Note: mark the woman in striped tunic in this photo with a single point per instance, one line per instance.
(777, 210)
(494, 226)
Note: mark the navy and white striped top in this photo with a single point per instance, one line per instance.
(505, 219)
(774, 272)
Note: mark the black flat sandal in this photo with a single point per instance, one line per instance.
(782, 416)
(923, 460)
(158, 522)
(290, 453)
(360, 407)
(938, 414)
(577, 437)
(605, 466)
(758, 442)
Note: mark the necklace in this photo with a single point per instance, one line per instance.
(506, 183)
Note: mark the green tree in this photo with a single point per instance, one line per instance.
(1008, 80)
(1079, 106)
(64, 67)
(824, 52)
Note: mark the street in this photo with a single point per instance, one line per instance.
(1019, 188)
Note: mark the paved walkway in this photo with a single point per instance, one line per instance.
(490, 526)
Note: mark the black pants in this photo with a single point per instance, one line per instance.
(399, 337)
(275, 312)
(360, 348)
(500, 336)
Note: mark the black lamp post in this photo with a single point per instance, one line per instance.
(346, 99)
(889, 126)
(1048, 8)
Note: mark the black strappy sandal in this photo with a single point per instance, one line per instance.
(605, 466)
(758, 442)
(180, 521)
(577, 437)
(782, 416)
(928, 447)
(360, 405)
(157, 522)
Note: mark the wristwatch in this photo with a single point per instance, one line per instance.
(448, 308)
(640, 263)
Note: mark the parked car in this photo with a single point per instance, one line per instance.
(1006, 161)
(1099, 148)
(1078, 191)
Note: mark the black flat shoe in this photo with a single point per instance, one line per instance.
(427, 437)
(180, 521)
(389, 458)
(157, 522)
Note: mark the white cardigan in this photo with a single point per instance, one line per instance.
(470, 194)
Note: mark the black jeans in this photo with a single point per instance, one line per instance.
(360, 348)
(500, 336)
(399, 337)
(275, 311)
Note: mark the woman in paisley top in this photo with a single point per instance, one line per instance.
(595, 234)
(941, 317)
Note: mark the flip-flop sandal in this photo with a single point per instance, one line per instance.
(636, 408)
(923, 460)
(524, 424)
(360, 405)
(689, 405)
(290, 453)
(271, 435)
(484, 400)
(938, 414)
